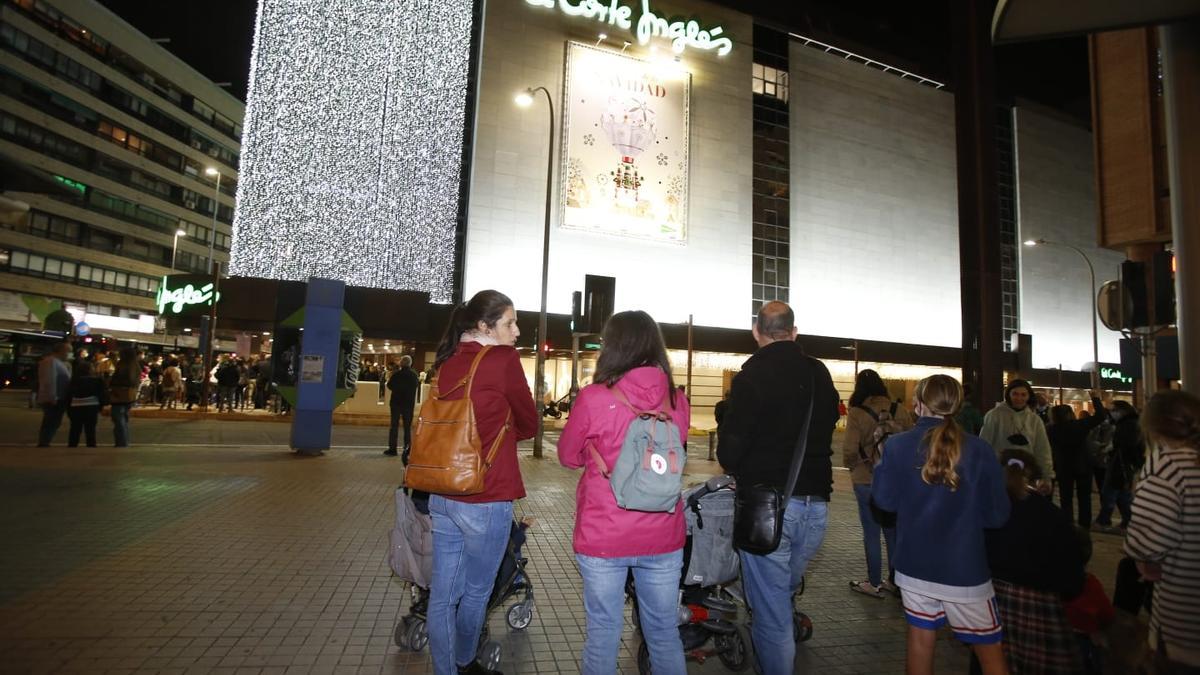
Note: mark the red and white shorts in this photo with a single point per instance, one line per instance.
(975, 622)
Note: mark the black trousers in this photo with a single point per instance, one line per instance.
(83, 419)
(1071, 487)
(405, 414)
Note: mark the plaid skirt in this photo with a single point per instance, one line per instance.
(1037, 637)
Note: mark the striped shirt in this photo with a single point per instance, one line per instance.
(1166, 528)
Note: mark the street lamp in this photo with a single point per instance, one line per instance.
(212, 236)
(1092, 273)
(524, 100)
(175, 246)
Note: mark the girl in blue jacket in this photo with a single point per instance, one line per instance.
(945, 487)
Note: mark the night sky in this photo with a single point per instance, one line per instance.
(215, 37)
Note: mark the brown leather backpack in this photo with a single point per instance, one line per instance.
(447, 453)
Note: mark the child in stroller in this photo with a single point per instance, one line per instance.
(411, 559)
(709, 592)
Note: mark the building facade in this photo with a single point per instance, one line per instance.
(120, 164)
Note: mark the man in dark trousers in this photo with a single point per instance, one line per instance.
(758, 434)
(403, 384)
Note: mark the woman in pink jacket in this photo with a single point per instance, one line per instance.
(609, 540)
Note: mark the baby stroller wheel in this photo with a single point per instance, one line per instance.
(417, 636)
(401, 636)
(643, 658)
(489, 655)
(519, 615)
(735, 650)
(802, 627)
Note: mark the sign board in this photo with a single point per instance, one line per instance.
(643, 23)
(625, 146)
(312, 368)
(185, 294)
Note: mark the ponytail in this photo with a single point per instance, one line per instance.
(454, 330)
(486, 306)
(943, 448)
(942, 395)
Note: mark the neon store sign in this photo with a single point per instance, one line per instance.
(682, 34)
(188, 295)
(1114, 374)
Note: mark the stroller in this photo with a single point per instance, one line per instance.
(710, 596)
(411, 558)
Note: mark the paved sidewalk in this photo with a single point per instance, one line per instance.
(214, 549)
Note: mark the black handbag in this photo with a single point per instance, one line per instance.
(758, 509)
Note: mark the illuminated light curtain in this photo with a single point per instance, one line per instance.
(352, 147)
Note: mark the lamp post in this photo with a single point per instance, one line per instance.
(525, 99)
(216, 274)
(212, 236)
(175, 247)
(1092, 274)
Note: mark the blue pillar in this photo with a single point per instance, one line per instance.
(312, 420)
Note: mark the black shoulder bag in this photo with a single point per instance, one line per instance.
(758, 509)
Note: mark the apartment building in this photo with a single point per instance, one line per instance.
(118, 162)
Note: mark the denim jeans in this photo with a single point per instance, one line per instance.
(771, 579)
(468, 544)
(656, 578)
(1115, 496)
(83, 422)
(120, 420)
(871, 530)
(1073, 487)
(52, 417)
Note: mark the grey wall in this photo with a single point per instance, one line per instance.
(874, 204)
(1056, 197)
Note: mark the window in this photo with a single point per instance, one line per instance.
(769, 82)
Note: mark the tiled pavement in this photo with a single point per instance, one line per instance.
(211, 548)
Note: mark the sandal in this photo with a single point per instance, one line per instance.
(866, 588)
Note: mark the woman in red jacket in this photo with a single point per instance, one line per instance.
(609, 540)
(470, 532)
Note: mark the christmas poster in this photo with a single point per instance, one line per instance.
(625, 147)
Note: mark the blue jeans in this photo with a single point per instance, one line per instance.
(52, 417)
(657, 580)
(1121, 498)
(468, 545)
(120, 420)
(771, 579)
(871, 530)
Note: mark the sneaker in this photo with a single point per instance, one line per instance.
(390, 453)
(476, 668)
(867, 588)
(889, 587)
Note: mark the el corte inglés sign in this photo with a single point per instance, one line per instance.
(682, 34)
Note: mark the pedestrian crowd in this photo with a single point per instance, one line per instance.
(78, 386)
(961, 500)
(958, 504)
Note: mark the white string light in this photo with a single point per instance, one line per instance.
(352, 149)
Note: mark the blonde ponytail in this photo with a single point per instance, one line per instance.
(943, 395)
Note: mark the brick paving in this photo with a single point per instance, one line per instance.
(208, 547)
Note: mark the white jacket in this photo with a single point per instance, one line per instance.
(1002, 421)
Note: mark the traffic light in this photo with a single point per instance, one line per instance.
(576, 311)
(1162, 272)
(1133, 282)
(599, 295)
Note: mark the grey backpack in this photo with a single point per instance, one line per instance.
(648, 474)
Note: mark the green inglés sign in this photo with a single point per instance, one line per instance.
(178, 293)
(1114, 374)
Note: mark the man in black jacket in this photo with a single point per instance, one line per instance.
(758, 435)
(403, 384)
